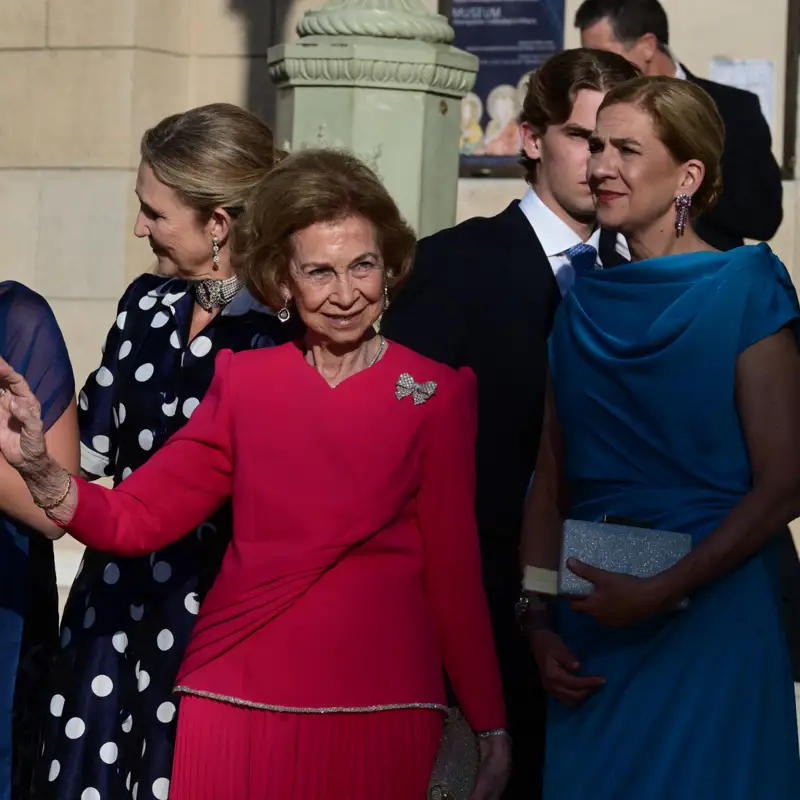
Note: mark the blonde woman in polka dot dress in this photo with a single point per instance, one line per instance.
(128, 621)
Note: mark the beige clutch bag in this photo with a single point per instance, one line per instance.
(456, 768)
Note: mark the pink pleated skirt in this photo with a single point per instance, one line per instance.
(225, 752)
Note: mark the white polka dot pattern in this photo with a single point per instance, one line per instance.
(102, 686)
(146, 440)
(111, 574)
(165, 712)
(144, 373)
(109, 752)
(191, 603)
(75, 728)
(200, 346)
(160, 320)
(101, 443)
(104, 376)
(189, 406)
(57, 705)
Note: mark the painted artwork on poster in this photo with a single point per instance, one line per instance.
(511, 38)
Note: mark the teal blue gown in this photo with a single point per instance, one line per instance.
(699, 704)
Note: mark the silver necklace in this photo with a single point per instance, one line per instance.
(381, 348)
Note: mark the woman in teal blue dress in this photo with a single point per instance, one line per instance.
(674, 401)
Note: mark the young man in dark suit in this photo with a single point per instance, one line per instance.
(750, 206)
(483, 295)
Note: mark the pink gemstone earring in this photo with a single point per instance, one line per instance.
(683, 202)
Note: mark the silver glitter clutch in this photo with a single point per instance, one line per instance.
(641, 552)
(456, 768)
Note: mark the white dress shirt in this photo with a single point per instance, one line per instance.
(556, 237)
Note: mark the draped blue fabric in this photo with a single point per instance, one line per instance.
(31, 342)
(699, 703)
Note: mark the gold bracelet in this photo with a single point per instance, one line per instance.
(50, 506)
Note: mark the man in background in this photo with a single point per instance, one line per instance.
(751, 203)
(483, 295)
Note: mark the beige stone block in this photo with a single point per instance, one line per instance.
(165, 25)
(82, 224)
(227, 27)
(91, 23)
(85, 325)
(65, 108)
(242, 81)
(485, 197)
(19, 224)
(160, 88)
(23, 23)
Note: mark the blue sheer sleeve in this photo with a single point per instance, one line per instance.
(771, 299)
(32, 343)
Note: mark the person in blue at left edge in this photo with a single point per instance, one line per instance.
(112, 720)
(674, 402)
(31, 339)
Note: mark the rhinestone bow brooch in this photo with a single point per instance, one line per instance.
(421, 392)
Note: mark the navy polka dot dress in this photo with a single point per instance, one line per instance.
(112, 720)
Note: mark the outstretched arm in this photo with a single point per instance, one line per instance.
(179, 487)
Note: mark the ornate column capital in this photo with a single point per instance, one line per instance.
(388, 19)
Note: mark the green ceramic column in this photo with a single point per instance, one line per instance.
(379, 77)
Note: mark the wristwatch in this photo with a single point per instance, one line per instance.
(526, 602)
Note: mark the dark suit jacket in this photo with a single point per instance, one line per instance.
(483, 295)
(750, 206)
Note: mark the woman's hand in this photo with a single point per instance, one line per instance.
(556, 666)
(620, 600)
(494, 769)
(22, 440)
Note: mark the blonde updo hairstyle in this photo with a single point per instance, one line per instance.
(309, 187)
(212, 157)
(686, 122)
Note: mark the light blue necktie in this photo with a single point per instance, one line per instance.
(583, 258)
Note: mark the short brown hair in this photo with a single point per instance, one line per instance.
(306, 188)
(686, 121)
(212, 156)
(552, 89)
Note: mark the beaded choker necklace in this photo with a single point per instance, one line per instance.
(210, 294)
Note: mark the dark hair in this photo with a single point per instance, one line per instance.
(552, 89)
(686, 122)
(629, 19)
(308, 187)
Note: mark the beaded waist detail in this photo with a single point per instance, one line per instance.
(238, 701)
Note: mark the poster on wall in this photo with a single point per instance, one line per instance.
(511, 38)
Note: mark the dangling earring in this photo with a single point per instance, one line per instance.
(683, 202)
(284, 314)
(215, 258)
(385, 297)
